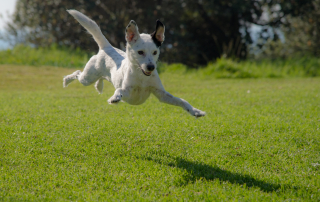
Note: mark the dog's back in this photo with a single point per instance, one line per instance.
(109, 59)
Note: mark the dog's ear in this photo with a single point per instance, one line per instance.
(132, 32)
(158, 35)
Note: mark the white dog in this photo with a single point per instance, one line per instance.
(133, 73)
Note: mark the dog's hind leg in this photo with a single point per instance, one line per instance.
(99, 85)
(68, 79)
(89, 75)
(91, 72)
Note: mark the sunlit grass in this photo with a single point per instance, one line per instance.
(258, 142)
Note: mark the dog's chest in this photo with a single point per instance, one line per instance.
(138, 94)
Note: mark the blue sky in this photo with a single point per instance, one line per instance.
(6, 6)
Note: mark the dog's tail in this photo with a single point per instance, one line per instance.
(92, 28)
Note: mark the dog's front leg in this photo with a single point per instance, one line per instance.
(117, 96)
(166, 97)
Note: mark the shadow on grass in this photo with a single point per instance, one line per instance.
(197, 171)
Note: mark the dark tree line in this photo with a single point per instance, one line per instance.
(197, 31)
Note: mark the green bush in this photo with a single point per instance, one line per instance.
(294, 67)
(227, 68)
(52, 56)
(224, 68)
(221, 68)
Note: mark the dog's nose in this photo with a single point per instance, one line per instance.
(150, 67)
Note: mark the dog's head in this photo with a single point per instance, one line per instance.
(144, 49)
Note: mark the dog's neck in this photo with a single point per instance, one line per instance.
(132, 62)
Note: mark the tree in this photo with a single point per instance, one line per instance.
(301, 33)
(196, 31)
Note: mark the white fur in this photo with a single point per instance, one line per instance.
(129, 71)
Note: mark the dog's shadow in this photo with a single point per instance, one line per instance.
(197, 171)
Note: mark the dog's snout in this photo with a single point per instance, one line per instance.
(150, 67)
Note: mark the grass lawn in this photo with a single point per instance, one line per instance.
(260, 140)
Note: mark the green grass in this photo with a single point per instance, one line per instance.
(260, 140)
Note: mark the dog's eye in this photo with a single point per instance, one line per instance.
(140, 52)
(155, 53)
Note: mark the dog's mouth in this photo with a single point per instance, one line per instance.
(146, 73)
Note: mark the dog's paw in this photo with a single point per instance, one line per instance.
(197, 113)
(66, 81)
(114, 100)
